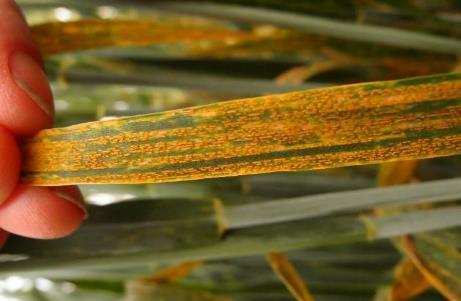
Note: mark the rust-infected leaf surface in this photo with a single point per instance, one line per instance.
(58, 37)
(331, 127)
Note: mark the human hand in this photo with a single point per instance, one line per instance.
(26, 106)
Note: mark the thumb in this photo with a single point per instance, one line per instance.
(26, 106)
(26, 102)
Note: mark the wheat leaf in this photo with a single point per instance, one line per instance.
(438, 263)
(174, 273)
(142, 291)
(285, 270)
(408, 281)
(341, 126)
(283, 210)
(188, 231)
(60, 37)
(318, 25)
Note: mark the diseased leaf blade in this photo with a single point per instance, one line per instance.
(61, 37)
(341, 126)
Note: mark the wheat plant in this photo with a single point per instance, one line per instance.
(248, 150)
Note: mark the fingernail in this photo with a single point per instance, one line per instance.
(68, 197)
(31, 78)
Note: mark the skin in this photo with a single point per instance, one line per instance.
(36, 212)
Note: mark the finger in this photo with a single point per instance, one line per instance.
(26, 107)
(9, 163)
(3, 237)
(26, 101)
(40, 212)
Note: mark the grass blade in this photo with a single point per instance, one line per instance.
(417, 221)
(408, 282)
(58, 37)
(439, 265)
(175, 272)
(312, 24)
(126, 242)
(285, 270)
(164, 77)
(314, 129)
(330, 203)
